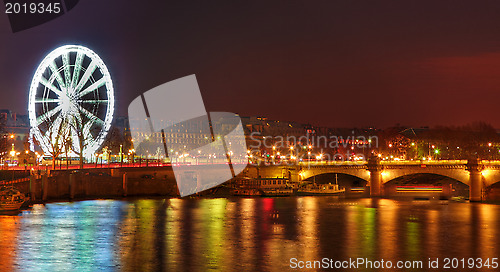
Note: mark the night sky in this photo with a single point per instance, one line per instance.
(331, 63)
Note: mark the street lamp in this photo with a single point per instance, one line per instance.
(12, 151)
(37, 158)
(131, 152)
(274, 150)
(12, 154)
(121, 156)
(416, 150)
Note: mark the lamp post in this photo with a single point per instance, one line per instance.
(274, 150)
(416, 150)
(12, 154)
(309, 151)
(489, 151)
(37, 160)
(121, 156)
(133, 157)
(25, 160)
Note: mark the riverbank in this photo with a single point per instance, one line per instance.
(98, 184)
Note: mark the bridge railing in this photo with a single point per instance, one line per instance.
(400, 162)
(428, 162)
(319, 163)
(492, 162)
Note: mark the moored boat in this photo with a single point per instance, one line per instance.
(320, 189)
(10, 199)
(247, 192)
(262, 187)
(276, 186)
(277, 192)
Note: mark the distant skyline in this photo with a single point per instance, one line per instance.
(328, 63)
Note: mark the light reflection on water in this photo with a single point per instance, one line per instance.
(240, 234)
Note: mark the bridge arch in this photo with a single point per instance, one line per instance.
(358, 171)
(343, 180)
(430, 178)
(491, 175)
(425, 184)
(458, 173)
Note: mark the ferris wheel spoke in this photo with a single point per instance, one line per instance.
(51, 86)
(76, 70)
(92, 87)
(42, 118)
(55, 72)
(77, 120)
(90, 70)
(67, 72)
(57, 123)
(90, 115)
(86, 132)
(47, 100)
(93, 101)
(51, 132)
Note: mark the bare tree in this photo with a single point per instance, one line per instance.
(83, 135)
(67, 144)
(114, 140)
(56, 135)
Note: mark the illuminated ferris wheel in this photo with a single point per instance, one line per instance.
(71, 97)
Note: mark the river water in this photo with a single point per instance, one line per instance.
(246, 234)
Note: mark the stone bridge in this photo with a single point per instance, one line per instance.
(476, 174)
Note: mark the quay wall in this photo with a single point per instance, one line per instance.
(99, 183)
